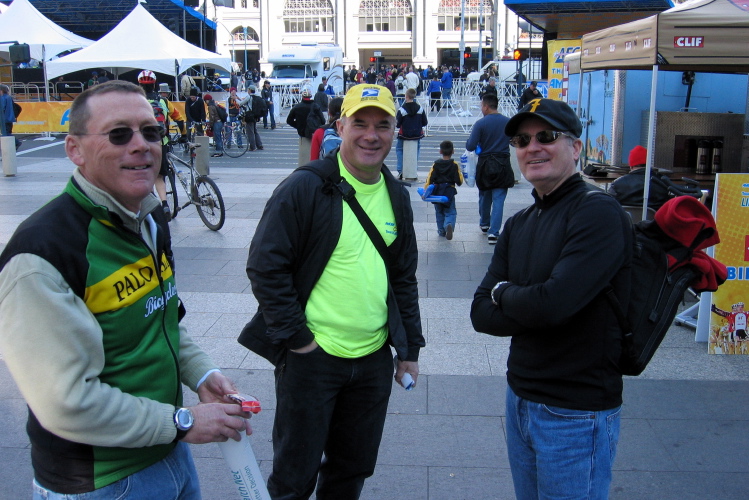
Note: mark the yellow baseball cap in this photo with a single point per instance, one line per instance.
(363, 95)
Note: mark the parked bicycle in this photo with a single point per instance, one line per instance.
(235, 139)
(201, 191)
(175, 142)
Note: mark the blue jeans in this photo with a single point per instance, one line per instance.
(446, 214)
(491, 208)
(446, 94)
(399, 153)
(218, 127)
(558, 453)
(332, 406)
(174, 477)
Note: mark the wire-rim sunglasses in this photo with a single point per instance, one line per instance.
(544, 137)
(122, 135)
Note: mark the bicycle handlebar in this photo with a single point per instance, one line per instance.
(690, 189)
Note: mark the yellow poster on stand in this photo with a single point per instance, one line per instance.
(557, 50)
(728, 312)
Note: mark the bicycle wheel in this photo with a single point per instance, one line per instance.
(235, 144)
(210, 204)
(170, 180)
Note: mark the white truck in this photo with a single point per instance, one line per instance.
(308, 63)
(506, 70)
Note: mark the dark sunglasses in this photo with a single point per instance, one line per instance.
(543, 137)
(122, 135)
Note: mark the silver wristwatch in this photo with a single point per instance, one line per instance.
(496, 287)
(183, 421)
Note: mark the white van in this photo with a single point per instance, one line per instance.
(308, 63)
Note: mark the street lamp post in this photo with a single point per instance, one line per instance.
(245, 48)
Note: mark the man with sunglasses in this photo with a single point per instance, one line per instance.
(89, 321)
(545, 287)
(494, 173)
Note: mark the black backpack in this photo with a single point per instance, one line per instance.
(315, 120)
(160, 110)
(259, 107)
(654, 298)
(655, 294)
(17, 109)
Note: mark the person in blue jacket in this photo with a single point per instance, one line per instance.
(447, 85)
(435, 93)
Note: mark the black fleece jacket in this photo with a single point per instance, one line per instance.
(296, 236)
(558, 255)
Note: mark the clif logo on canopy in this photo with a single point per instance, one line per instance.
(689, 41)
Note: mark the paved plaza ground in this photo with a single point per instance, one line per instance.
(684, 426)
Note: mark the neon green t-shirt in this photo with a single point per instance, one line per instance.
(347, 309)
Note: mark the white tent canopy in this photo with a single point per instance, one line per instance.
(138, 42)
(23, 23)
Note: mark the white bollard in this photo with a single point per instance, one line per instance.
(410, 163)
(8, 147)
(202, 164)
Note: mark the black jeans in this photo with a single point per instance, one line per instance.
(330, 405)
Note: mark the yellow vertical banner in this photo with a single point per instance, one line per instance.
(557, 50)
(38, 117)
(728, 316)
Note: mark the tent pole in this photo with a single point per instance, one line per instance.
(46, 80)
(651, 142)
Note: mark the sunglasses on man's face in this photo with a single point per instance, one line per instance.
(544, 137)
(122, 135)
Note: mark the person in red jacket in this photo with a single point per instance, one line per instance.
(334, 112)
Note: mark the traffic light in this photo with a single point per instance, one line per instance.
(19, 53)
(467, 53)
(519, 55)
(373, 59)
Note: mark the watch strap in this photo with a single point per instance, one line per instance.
(180, 436)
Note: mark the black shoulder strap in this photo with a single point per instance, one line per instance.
(328, 171)
(349, 196)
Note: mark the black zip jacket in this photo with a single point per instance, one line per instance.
(195, 110)
(628, 189)
(296, 236)
(558, 255)
(444, 171)
(410, 121)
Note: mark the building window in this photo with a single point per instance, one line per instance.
(238, 34)
(385, 15)
(448, 15)
(308, 16)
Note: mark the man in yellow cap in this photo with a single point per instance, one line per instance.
(331, 305)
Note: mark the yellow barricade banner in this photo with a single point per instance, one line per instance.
(38, 117)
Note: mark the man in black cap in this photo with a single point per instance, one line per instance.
(545, 287)
(530, 93)
(194, 113)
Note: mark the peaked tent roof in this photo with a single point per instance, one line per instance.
(22, 22)
(139, 41)
(699, 35)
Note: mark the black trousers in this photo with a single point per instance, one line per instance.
(330, 405)
(435, 99)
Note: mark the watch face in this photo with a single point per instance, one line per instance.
(184, 419)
